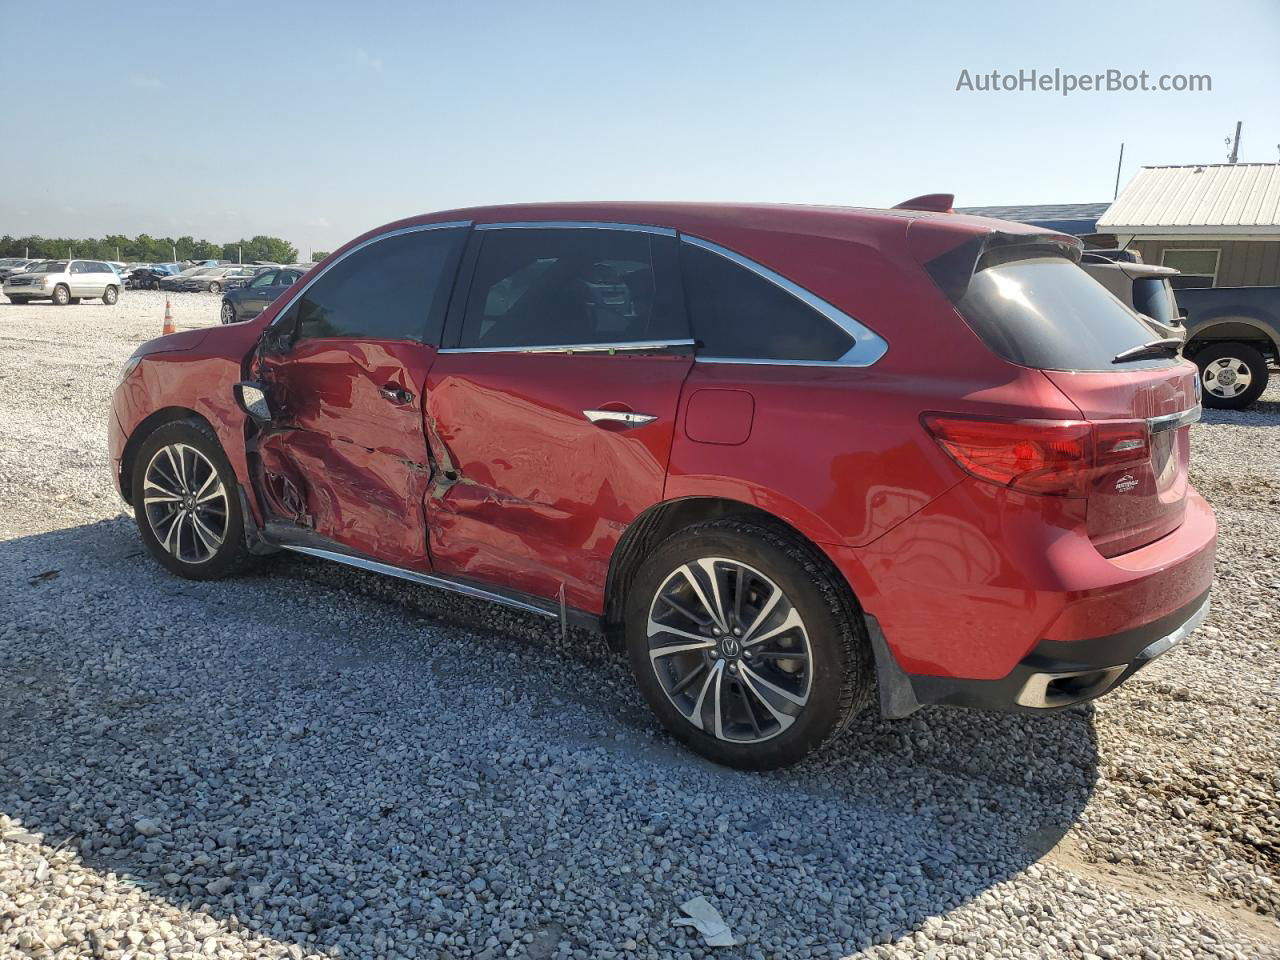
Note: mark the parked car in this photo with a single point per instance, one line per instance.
(204, 279)
(148, 276)
(783, 456)
(1233, 335)
(63, 282)
(14, 265)
(177, 281)
(246, 302)
(1143, 286)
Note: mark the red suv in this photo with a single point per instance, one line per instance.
(781, 455)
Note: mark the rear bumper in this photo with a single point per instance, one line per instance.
(1051, 677)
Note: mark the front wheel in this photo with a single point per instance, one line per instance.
(19, 300)
(61, 295)
(746, 645)
(228, 312)
(215, 287)
(186, 502)
(110, 296)
(1232, 375)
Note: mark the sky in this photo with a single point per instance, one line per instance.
(316, 121)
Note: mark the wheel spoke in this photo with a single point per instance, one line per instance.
(696, 717)
(217, 493)
(687, 682)
(746, 705)
(680, 648)
(790, 622)
(753, 677)
(682, 609)
(173, 537)
(701, 594)
(784, 720)
(779, 655)
(179, 473)
(709, 568)
(207, 537)
(761, 617)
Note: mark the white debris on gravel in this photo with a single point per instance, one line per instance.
(313, 761)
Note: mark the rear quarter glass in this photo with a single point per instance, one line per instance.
(1047, 313)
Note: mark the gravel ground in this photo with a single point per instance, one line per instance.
(312, 761)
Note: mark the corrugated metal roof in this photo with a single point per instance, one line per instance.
(1232, 199)
(1029, 213)
(1077, 219)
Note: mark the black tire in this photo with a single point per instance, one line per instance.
(228, 312)
(20, 300)
(110, 296)
(61, 295)
(840, 669)
(75, 301)
(1218, 361)
(215, 287)
(232, 555)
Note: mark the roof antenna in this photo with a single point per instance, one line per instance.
(1235, 145)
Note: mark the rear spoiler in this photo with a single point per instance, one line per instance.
(952, 270)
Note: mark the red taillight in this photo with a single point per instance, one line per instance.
(1049, 457)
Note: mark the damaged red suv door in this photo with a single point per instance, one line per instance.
(345, 454)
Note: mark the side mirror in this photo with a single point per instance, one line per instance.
(251, 397)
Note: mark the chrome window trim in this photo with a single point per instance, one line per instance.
(1175, 421)
(633, 345)
(418, 228)
(576, 225)
(868, 346)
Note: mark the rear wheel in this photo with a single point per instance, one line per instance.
(186, 502)
(745, 645)
(110, 296)
(61, 295)
(215, 287)
(19, 300)
(1232, 375)
(228, 312)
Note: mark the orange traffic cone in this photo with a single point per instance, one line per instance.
(168, 320)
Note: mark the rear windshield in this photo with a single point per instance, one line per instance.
(1152, 296)
(1046, 312)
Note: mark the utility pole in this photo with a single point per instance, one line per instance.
(1235, 145)
(1119, 164)
(240, 254)
(175, 253)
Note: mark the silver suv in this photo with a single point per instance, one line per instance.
(63, 282)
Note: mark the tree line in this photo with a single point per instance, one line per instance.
(149, 249)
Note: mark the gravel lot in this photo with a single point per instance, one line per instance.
(312, 761)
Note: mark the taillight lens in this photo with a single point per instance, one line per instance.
(1047, 457)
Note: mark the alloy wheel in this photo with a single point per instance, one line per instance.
(186, 503)
(1227, 377)
(228, 313)
(730, 650)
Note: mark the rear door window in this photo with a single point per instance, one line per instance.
(568, 286)
(1046, 312)
(394, 289)
(736, 313)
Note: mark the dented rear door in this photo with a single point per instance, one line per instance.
(550, 420)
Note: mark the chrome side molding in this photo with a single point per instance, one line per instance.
(634, 346)
(427, 579)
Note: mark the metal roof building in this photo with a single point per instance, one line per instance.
(1220, 200)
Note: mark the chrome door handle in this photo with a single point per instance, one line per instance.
(395, 394)
(622, 417)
